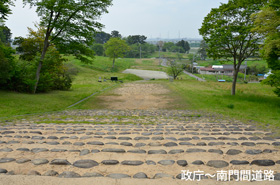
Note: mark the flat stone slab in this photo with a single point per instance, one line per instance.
(176, 151)
(162, 175)
(50, 173)
(157, 152)
(253, 152)
(233, 152)
(89, 174)
(6, 160)
(193, 150)
(166, 162)
(37, 150)
(132, 163)
(60, 162)
(40, 161)
(95, 143)
(69, 174)
(237, 162)
(198, 162)
(217, 163)
(118, 176)
(137, 151)
(110, 162)
(140, 175)
(170, 144)
(20, 161)
(182, 162)
(263, 162)
(115, 150)
(87, 163)
(3, 170)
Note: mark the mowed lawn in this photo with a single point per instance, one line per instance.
(84, 84)
(255, 102)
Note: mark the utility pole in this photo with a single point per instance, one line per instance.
(140, 51)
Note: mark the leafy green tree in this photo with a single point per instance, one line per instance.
(167, 46)
(101, 37)
(184, 45)
(6, 63)
(202, 50)
(267, 23)
(5, 9)
(98, 49)
(227, 31)
(136, 39)
(175, 69)
(70, 24)
(116, 33)
(115, 48)
(5, 35)
(146, 50)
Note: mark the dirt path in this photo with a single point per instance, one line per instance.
(141, 96)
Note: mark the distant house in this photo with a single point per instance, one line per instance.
(220, 69)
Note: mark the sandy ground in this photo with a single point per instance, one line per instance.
(146, 74)
(139, 96)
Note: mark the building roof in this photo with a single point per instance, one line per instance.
(230, 67)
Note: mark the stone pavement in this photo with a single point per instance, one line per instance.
(136, 144)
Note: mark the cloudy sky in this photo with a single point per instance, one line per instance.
(153, 18)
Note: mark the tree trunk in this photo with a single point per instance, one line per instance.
(234, 82)
(46, 45)
(113, 63)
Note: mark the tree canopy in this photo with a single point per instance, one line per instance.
(115, 48)
(267, 23)
(227, 32)
(136, 39)
(5, 9)
(70, 24)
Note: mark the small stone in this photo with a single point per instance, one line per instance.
(198, 162)
(37, 150)
(32, 172)
(39, 161)
(170, 144)
(88, 174)
(95, 143)
(110, 162)
(166, 162)
(11, 173)
(150, 162)
(85, 163)
(23, 149)
(52, 137)
(237, 162)
(132, 163)
(126, 144)
(253, 152)
(182, 162)
(201, 144)
(277, 176)
(233, 152)
(84, 152)
(137, 151)
(52, 143)
(115, 150)
(79, 144)
(263, 162)
(218, 151)
(192, 150)
(60, 162)
(50, 173)
(248, 144)
(118, 176)
(3, 170)
(6, 160)
(58, 150)
(157, 152)
(176, 151)
(185, 139)
(20, 161)
(140, 175)
(140, 144)
(186, 143)
(217, 163)
(69, 174)
(124, 138)
(6, 150)
(215, 143)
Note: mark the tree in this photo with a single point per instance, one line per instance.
(70, 24)
(227, 31)
(175, 69)
(5, 35)
(136, 39)
(267, 23)
(116, 33)
(98, 49)
(4, 9)
(101, 37)
(184, 45)
(115, 48)
(167, 46)
(202, 50)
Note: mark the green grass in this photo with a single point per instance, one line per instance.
(252, 102)
(84, 84)
(104, 64)
(148, 64)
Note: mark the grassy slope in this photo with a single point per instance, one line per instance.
(253, 101)
(84, 84)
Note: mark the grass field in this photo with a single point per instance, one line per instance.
(253, 102)
(84, 84)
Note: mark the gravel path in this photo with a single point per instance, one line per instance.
(147, 74)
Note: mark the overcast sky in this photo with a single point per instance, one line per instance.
(152, 18)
